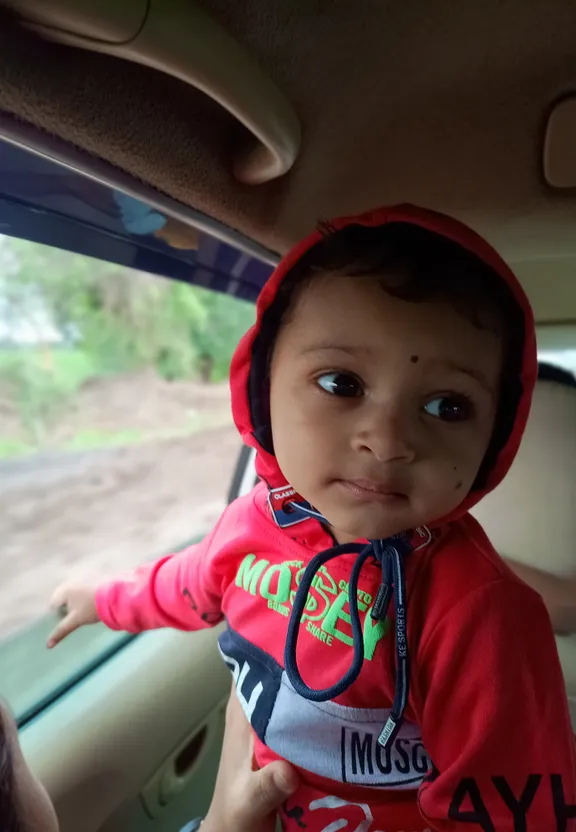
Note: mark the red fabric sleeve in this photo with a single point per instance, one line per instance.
(182, 591)
(495, 717)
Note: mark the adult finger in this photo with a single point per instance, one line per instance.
(268, 788)
(245, 799)
(263, 790)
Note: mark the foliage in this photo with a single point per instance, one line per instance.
(68, 318)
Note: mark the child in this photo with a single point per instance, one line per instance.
(385, 386)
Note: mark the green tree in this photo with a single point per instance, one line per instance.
(122, 318)
(119, 319)
(226, 320)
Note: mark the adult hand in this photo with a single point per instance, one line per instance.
(24, 803)
(246, 800)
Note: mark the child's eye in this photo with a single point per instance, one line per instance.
(450, 408)
(340, 384)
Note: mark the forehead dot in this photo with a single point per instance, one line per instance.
(414, 359)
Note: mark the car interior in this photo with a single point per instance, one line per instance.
(543, 467)
(251, 122)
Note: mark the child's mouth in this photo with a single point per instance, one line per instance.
(371, 491)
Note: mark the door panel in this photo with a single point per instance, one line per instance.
(114, 736)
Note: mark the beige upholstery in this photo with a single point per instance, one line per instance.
(531, 517)
(465, 135)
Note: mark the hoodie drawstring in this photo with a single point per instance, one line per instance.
(389, 553)
(290, 661)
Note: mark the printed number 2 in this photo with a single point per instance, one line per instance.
(332, 802)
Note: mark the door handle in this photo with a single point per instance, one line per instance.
(181, 767)
(176, 772)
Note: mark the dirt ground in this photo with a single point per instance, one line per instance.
(138, 405)
(99, 512)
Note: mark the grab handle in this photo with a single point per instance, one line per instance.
(178, 38)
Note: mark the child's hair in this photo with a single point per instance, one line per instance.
(410, 263)
(413, 264)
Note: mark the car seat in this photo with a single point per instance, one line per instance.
(531, 516)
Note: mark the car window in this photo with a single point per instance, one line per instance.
(116, 440)
(565, 358)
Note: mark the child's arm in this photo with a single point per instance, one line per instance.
(180, 591)
(558, 594)
(495, 718)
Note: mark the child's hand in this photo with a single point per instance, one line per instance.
(79, 601)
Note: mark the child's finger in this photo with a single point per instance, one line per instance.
(68, 624)
(59, 597)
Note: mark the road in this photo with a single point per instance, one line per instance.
(98, 513)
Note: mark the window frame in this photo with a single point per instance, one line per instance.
(32, 677)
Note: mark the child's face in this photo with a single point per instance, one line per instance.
(381, 409)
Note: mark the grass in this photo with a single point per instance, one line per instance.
(89, 440)
(41, 383)
(11, 448)
(69, 367)
(86, 440)
(93, 439)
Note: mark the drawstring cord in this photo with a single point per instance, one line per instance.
(290, 661)
(389, 553)
(393, 580)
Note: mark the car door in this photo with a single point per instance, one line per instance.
(117, 445)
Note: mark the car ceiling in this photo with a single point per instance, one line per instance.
(440, 104)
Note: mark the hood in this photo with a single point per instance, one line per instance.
(240, 374)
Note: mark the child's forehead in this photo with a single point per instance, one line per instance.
(343, 310)
(338, 290)
(332, 298)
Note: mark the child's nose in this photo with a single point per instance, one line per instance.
(386, 436)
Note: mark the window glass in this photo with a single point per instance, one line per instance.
(116, 438)
(557, 345)
(562, 358)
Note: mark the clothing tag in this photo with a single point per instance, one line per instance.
(380, 606)
(284, 503)
(288, 508)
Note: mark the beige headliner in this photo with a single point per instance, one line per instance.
(439, 103)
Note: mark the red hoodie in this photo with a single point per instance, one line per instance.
(486, 739)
